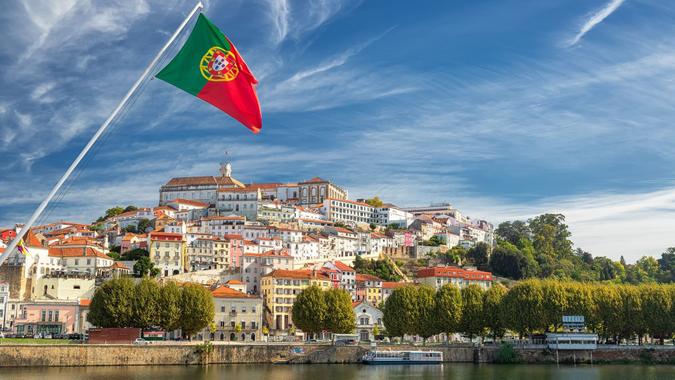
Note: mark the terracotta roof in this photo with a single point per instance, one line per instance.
(297, 274)
(367, 277)
(118, 265)
(234, 282)
(314, 180)
(232, 237)
(169, 236)
(455, 272)
(77, 252)
(188, 202)
(270, 253)
(264, 185)
(343, 267)
(238, 190)
(343, 230)
(227, 292)
(85, 302)
(392, 284)
(203, 180)
(32, 241)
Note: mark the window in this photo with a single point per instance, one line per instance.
(49, 318)
(43, 315)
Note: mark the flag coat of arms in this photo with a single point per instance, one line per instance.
(209, 67)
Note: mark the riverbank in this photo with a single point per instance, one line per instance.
(196, 354)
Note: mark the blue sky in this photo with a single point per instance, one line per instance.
(506, 109)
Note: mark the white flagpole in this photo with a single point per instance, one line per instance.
(98, 134)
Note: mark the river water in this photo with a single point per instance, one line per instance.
(347, 372)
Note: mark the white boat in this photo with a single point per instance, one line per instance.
(403, 357)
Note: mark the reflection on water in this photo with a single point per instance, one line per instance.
(347, 372)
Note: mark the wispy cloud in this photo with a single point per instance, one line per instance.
(595, 18)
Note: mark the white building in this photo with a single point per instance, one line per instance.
(367, 318)
(223, 225)
(389, 214)
(240, 201)
(316, 190)
(202, 189)
(4, 301)
(342, 210)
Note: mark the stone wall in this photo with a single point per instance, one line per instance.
(163, 354)
(190, 354)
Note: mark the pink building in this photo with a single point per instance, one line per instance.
(52, 317)
(236, 249)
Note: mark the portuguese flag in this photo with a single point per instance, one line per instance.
(210, 68)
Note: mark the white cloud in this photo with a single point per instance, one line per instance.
(596, 18)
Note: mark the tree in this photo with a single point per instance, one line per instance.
(433, 241)
(650, 266)
(145, 303)
(657, 304)
(448, 308)
(309, 310)
(340, 318)
(608, 269)
(514, 232)
(667, 265)
(633, 321)
(493, 311)
(170, 306)
(135, 254)
(554, 303)
(609, 310)
(400, 310)
(471, 321)
(130, 208)
(196, 309)
(143, 225)
(508, 261)
(109, 213)
(523, 307)
(479, 255)
(426, 325)
(374, 201)
(111, 305)
(144, 267)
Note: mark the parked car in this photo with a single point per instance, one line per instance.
(141, 342)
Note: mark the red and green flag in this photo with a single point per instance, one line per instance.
(210, 68)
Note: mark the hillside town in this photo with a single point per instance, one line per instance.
(254, 246)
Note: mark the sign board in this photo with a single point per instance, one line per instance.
(573, 321)
(408, 239)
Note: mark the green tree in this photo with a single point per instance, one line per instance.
(374, 201)
(508, 261)
(493, 311)
(111, 304)
(633, 322)
(580, 301)
(400, 310)
(196, 309)
(310, 310)
(480, 255)
(523, 307)
(667, 265)
(608, 269)
(144, 267)
(657, 305)
(609, 310)
(135, 254)
(145, 303)
(514, 232)
(448, 308)
(425, 324)
(130, 208)
(170, 306)
(471, 321)
(340, 318)
(143, 225)
(554, 303)
(650, 266)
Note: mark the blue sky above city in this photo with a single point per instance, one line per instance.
(505, 109)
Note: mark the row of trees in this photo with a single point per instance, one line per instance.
(316, 310)
(614, 311)
(123, 303)
(541, 247)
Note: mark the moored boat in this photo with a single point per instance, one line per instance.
(403, 357)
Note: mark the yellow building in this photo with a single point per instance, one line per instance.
(279, 289)
(168, 252)
(369, 288)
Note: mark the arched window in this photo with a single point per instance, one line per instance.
(232, 337)
(222, 336)
(253, 337)
(243, 337)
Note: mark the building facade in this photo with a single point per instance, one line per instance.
(439, 276)
(168, 252)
